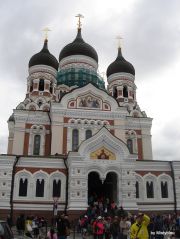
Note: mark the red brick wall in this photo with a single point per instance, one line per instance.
(26, 144)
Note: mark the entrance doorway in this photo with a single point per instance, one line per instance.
(98, 189)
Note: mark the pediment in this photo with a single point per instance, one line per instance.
(89, 97)
(104, 146)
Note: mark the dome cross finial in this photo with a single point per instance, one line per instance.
(46, 30)
(119, 41)
(79, 16)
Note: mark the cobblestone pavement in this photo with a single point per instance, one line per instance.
(72, 235)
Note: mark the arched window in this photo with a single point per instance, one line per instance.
(137, 189)
(41, 85)
(37, 141)
(125, 91)
(75, 139)
(31, 86)
(115, 92)
(88, 134)
(164, 190)
(56, 188)
(130, 145)
(149, 189)
(40, 188)
(23, 184)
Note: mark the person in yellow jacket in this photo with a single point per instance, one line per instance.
(139, 229)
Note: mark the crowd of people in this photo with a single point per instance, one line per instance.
(116, 223)
(36, 227)
(102, 220)
(31, 226)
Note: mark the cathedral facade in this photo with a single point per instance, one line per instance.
(72, 137)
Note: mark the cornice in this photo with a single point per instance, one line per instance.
(26, 116)
(43, 162)
(76, 113)
(152, 165)
(43, 69)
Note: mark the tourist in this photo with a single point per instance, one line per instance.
(114, 229)
(100, 228)
(107, 225)
(125, 225)
(52, 234)
(20, 224)
(61, 227)
(139, 228)
(28, 227)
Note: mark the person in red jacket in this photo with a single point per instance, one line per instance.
(100, 228)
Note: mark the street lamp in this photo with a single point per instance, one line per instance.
(55, 208)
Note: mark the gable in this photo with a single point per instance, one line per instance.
(89, 98)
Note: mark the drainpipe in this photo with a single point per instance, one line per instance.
(174, 187)
(12, 186)
(50, 128)
(67, 182)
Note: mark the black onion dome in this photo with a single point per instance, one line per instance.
(120, 65)
(78, 47)
(44, 57)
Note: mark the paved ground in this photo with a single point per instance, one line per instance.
(72, 235)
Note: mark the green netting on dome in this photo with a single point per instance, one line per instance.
(79, 77)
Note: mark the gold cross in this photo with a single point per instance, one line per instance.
(119, 41)
(46, 30)
(79, 20)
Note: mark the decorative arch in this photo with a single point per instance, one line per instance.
(32, 106)
(40, 177)
(90, 90)
(104, 139)
(151, 180)
(24, 175)
(21, 106)
(140, 181)
(162, 179)
(58, 176)
(34, 131)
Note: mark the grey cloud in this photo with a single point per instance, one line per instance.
(153, 35)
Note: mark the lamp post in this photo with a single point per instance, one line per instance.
(55, 209)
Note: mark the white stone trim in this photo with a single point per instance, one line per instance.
(43, 68)
(69, 61)
(121, 76)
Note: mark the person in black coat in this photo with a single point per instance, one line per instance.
(61, 227)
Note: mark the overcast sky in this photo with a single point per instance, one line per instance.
(151, 42)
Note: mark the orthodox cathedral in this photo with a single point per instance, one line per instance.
(72, 137)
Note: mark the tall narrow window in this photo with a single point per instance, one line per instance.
(88, 134)
(130, 145)
(75, 139)
(115, 92)
(51, 88)
(164, 190)
(37, 141)
(137, 189)
(125, 91)
(31, 86)
(149, 189)
(41, 85)
(56, 188)
(40, 188)
(23, 184)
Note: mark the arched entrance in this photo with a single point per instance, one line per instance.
(98, 188)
